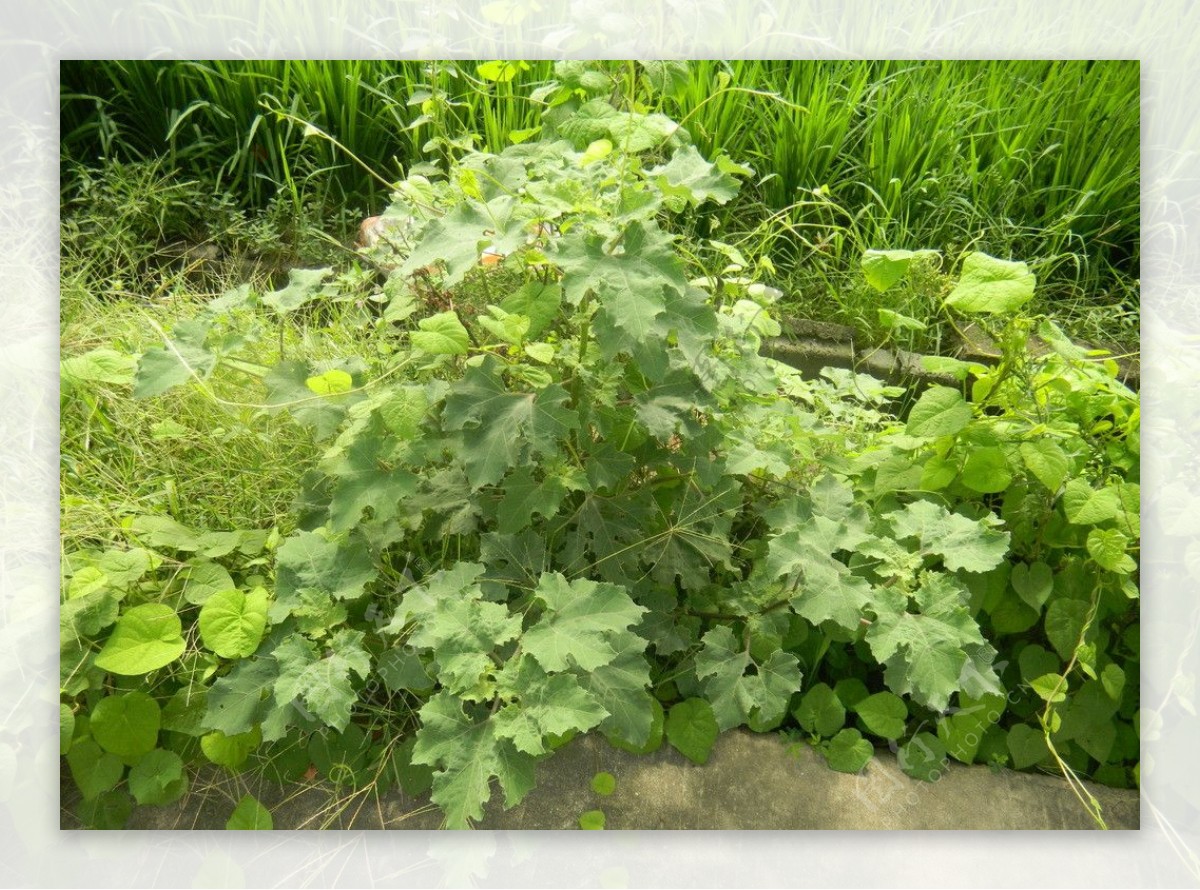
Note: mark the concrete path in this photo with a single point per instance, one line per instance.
(750, 782)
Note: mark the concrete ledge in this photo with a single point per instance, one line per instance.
(750, 782)
(812, 345)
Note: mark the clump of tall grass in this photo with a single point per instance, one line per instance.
(1035, 160)
(245, 125)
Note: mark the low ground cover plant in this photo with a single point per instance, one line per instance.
(558, 490)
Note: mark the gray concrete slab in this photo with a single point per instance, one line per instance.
(750, 782)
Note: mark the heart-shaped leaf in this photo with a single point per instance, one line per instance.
(146, 638)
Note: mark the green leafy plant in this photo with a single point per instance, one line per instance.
(1050, 437)
(567, 494)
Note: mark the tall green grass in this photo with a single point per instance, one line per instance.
(1037, 160)
(1032, 159)
(245, 124)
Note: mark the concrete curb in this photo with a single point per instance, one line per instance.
(811, 345)
(750, 781)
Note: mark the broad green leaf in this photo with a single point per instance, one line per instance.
(331, 383)
(501, 70)
(1112, 678)
(1129, 516)
(525, 497)
(884, 714)
(414, 778)
(102, 365)
(163, 368)
(309, 561)
(950, 367)
(819, 711)
(367, 476)
(108, 811)
(126, 725)
(1065, 620)
(850, 691)
(94, 770)
(163, 531)
(540, 352)
(654, 738)
(466, 754)
(632, 278)
(1012, 616)
(232, 623)
(688, 176)
(86, 581)
(545, 706)
(124, 567)
(962, 731)
(691, 728)
(238, 701)
(962, 543)
(848, 751)
(240, 297)
(986, 470)
(441, 334)
(341, 757)
(940, 411)
(828, 592)
(737, 696)
(287, 387)
(202, 578)
(923, 757)
(66, 727)
(250, 815)
(883, 268)
(146, 638)
(926, 652)
(248, 542)
(596, 151)
(1110, 550)
(938, 472)
(323, 681)
(581, 620)
(499, 427)
(1046, 460)
(1090, 720)
(1027, 746)
(304, 286)
(158, 778)
(508, 327)
(1050, 687)
(184, 711)
(592, 820)
(1033, 583)
(1034, 662)
(622, 688)
(991, 285)
(461, 630)
(457, 238)
(670, 77)
(230, 751)
(536, 301)
(404, 411)
(403, 671)
(1085, 505)
(604, 783)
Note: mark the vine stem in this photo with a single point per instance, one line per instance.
(1073, 781)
